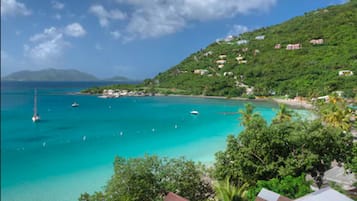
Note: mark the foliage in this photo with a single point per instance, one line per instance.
(336, 113)
(310, 71)
(225, 191)
(150, 178)
(263, 152)
(288, 186)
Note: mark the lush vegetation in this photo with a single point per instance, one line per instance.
(151, 178)
(283, 148)
(291, 187)
(310, 71)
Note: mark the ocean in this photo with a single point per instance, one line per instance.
(71, 150)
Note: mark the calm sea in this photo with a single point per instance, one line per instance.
(71, 150)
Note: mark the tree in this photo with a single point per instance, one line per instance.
(225, 191)
(150, 178)
(263, 152)
(291, 187)
(283, 114)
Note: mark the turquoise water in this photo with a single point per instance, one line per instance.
(71, 150)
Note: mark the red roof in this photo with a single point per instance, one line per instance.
(173, 197)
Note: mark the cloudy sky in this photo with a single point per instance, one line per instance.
(133, 38)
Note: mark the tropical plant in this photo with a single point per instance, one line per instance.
(225, 191)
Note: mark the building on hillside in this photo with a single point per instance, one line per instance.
(229, 38)
(277, 46)
(267, 195)
(317, 41)
(242, 42)
(227, 74)
(173, 197)
(222, 56)
(294, 46)
(345, 73)
(201, 71)
(256, 51)
(245, 49)
(261, 37)
(222, 61)
(206, 54)
(220, 66)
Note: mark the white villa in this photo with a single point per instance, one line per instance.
(345, 73)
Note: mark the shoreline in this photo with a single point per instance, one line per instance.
(296, 104)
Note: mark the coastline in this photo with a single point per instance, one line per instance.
(293, 103)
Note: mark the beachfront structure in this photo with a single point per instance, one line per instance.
(242, 42)
(345, 73)
(294, 46)
(222, 56)
(173, 197)
(261, 37)
(317, 41)
(277, 46)
(222, 61)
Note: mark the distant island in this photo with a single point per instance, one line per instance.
(57, 75)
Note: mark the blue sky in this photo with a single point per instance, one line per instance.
(133, 38)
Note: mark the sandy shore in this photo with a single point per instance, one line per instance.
(294, 103)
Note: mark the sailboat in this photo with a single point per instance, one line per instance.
(35, 116)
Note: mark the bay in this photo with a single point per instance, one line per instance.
(71, 150)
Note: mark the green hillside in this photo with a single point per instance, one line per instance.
(309, 71)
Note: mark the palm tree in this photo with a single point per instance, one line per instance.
(337, 117)
(284, 114)
(225, 191)
(247, 114)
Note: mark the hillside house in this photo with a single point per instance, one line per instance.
(242, 42)
(220, 66)
(277, 46)
(345, 73)
(317, 41)
(242, 62)
(227, 74)
(222, 61)
(256, 51)
(239, 58)
(245, 49)
(206, 54)
(201, 71)
(262, 37)
(294, 46)
(222, 56)
(229, 38)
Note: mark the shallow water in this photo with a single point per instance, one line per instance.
(71, 150)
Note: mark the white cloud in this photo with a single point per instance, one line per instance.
(237, 30)
(12, 8)
(154, 18)
(75, 30)
(116, 34)
(46, 46)
(98, 46)
(57, 5)
(50, 44)
(106, 15)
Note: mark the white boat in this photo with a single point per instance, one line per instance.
(103, 96)
(194, 112)
(35, 116)
(74, 104)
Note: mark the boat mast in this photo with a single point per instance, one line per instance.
(35, 103)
